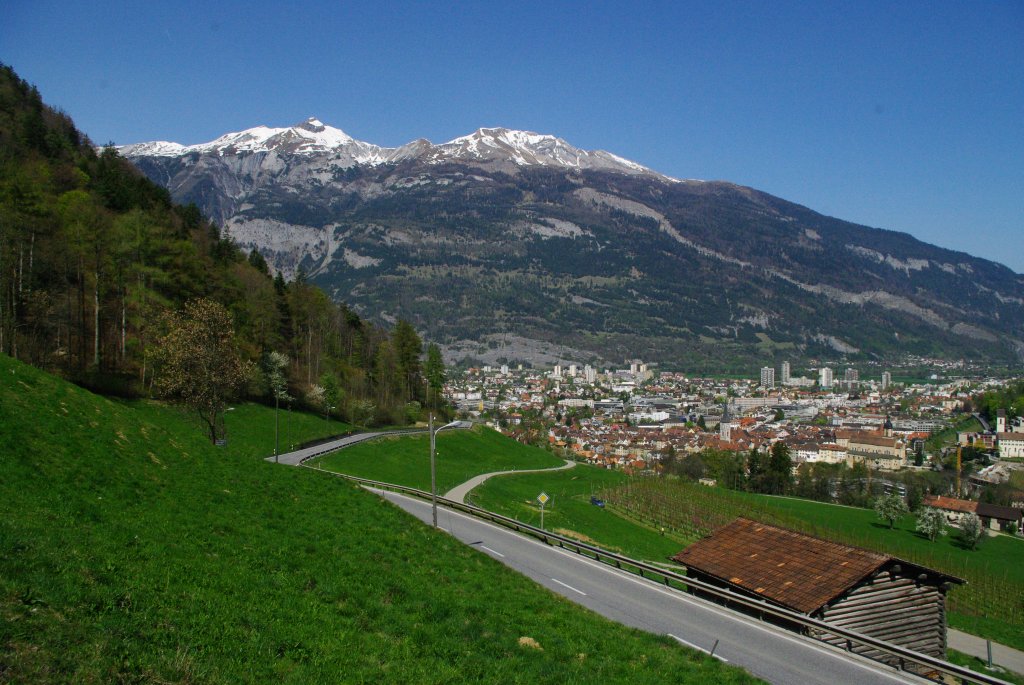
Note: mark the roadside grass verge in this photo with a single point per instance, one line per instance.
(461, 455)
(570, 513)
(250, 426)
(131, 550)
(981, 666)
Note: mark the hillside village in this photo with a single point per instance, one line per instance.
(634, 418)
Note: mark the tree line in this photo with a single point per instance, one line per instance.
(95, 259)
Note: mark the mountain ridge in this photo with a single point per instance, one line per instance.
(312, 136)
(578, 254)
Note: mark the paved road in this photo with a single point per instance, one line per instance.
(298, 456)
(459, 492)
(1004, 656)
(773, 654)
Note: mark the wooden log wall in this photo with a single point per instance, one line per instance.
(902, 610)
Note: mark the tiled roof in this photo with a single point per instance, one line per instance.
(877, 440)
(999, 512)
(950, 503)
(792, 569)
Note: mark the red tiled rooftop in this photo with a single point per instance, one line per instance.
(792, 569)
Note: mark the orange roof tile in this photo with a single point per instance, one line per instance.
(950, 503)
(792, 569)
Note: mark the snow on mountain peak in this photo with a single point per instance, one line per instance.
(309, 136)
(311, 124)
(495, 145)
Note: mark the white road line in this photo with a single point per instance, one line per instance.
(492, 551)
(697, 647)
(569, 586)
(679, 596)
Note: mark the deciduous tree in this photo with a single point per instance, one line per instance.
(199, 364)
(971, 530)
(931, 523)
(890, 508)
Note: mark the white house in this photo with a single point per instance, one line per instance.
(1011, 445)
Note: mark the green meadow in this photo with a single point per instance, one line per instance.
(132, 551)
(460, 455)
(569, 511)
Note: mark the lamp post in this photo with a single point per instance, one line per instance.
(433, 470)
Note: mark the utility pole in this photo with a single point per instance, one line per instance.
(959, 465)
(433, 470)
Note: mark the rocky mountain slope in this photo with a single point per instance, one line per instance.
(513, 245)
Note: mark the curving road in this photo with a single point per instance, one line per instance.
(701, 627)
(770, 653)
(459, 492)
(298, 456)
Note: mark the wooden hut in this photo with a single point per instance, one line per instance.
(867, 592)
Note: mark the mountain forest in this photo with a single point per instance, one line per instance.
(97, 263)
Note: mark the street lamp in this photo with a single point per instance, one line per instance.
(433, 471)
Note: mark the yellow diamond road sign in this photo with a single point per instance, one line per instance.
(543, 498)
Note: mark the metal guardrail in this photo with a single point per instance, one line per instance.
(903, 657)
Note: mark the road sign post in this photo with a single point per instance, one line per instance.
(543, 499)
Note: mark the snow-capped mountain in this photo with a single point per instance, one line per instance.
(500, 146)
(511, 244)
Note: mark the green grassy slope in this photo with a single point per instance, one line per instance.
(133, 551)
(461, 454)
(570, 512)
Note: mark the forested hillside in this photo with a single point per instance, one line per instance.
(93, 256)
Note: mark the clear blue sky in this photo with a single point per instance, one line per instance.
(901, 115)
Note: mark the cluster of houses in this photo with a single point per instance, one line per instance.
(629, 418)
(993, 516)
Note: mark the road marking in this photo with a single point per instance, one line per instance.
(492, 551)
(734, 617)
(569, 586)
(697, 647)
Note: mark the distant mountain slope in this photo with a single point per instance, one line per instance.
(515, 245)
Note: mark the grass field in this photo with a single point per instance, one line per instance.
(570, 513)
(132, 551)
(250, 427)
(981, 666)
(461, 454)
(990, 605)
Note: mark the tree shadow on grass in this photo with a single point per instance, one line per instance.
(959, 542)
